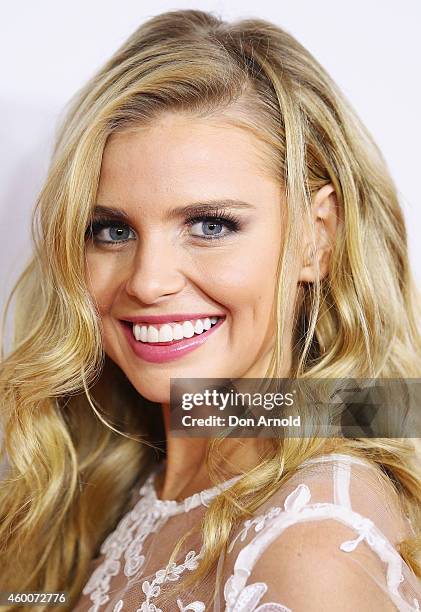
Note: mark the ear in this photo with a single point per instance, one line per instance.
(325, 223)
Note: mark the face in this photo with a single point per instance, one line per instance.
(183, 268)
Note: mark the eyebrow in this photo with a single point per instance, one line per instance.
(115, 213)
(195, 208)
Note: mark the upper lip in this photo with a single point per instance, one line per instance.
(170, 317)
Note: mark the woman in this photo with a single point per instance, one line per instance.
(214, 209)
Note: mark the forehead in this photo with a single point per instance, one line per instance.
(178, 150)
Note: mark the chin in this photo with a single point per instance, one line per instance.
(154, 383)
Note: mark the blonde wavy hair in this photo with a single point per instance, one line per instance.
(76, 435)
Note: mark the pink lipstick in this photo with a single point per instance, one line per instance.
(161, 352)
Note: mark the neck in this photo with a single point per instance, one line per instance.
(185, 471)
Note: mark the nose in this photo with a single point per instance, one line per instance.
(155, 273)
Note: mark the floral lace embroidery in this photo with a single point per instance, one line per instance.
(172, 572)
(258, 521)
(297, 509)
(148, 516)
(153, 589)
(250, 596)
(150, 513)
(128, 539)
(196, 606)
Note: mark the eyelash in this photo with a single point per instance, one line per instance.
(226, 218)
(100, 223)
(231, 221)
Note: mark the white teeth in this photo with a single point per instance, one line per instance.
(136, 331)
(172, 331)
(188, 329)
(165, 333)
(178, 331)
(143, 333)
(153, 335)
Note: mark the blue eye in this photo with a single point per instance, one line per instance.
(113, 232)
(213, 226)
(209, 228)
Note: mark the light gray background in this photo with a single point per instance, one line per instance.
(48, 49)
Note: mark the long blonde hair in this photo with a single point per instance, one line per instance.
(63, 401)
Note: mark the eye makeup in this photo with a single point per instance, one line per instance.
(215, 217)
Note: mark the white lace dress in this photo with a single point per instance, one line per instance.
(325, 541)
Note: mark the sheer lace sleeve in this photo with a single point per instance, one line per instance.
(330, 543)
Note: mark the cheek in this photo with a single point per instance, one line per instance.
(242, 277)
(102, 281)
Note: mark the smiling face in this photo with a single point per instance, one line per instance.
(166, 257)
